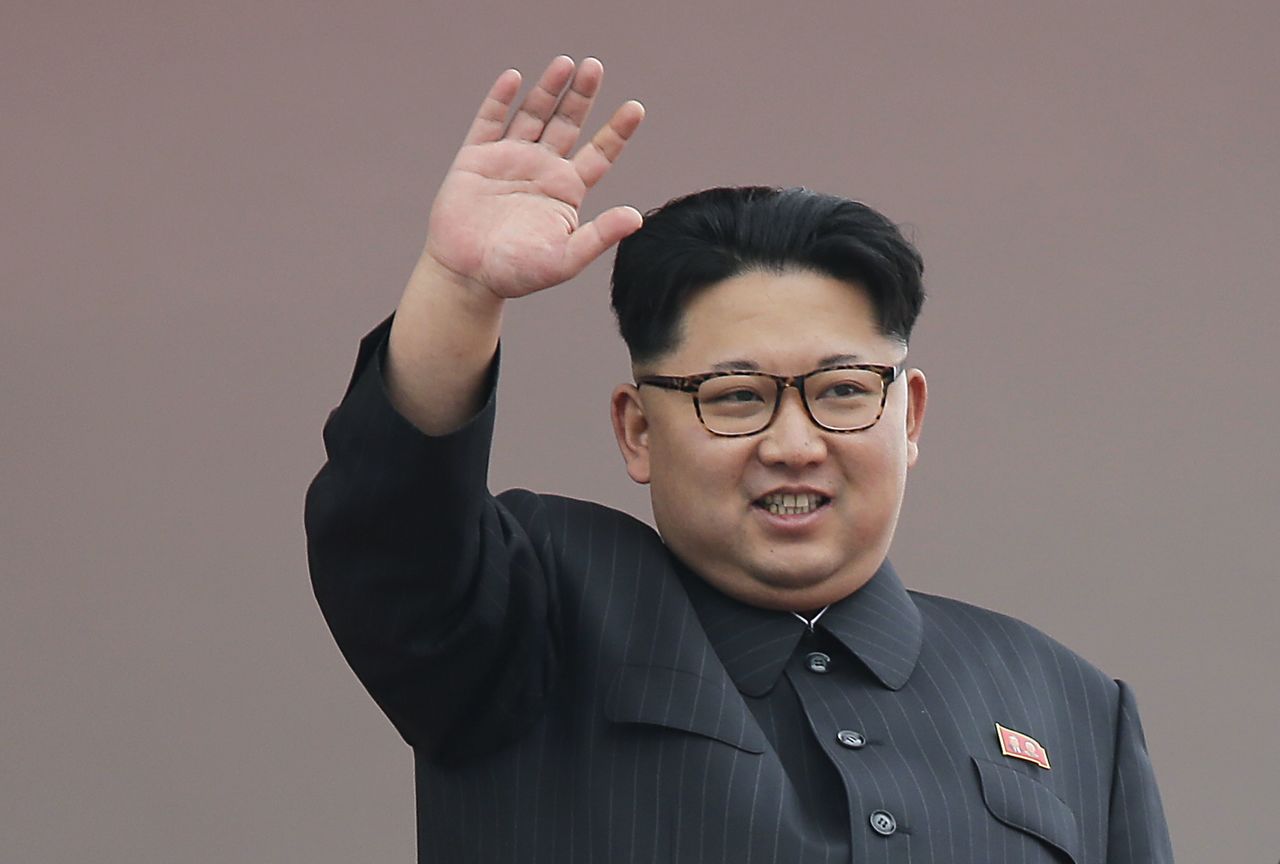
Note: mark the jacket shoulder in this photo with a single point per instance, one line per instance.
(1003, 641)
(576, 518)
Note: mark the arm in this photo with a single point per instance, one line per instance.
(437, 594)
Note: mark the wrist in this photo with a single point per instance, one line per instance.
(430, 277)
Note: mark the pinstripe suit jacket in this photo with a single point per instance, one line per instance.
(564, 704)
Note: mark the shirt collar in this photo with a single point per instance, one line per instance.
(879, 624)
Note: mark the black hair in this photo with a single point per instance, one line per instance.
(697, 240)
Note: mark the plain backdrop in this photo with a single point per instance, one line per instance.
(205, 205)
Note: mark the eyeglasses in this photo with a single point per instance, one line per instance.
(836, 398)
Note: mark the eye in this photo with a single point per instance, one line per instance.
(736, 396)
(844, 386)
(844, 390)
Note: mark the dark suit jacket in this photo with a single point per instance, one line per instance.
(564, 704)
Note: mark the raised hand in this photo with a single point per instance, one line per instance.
(507, 216)
(505, 223)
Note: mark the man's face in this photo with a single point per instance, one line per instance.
(708, 490)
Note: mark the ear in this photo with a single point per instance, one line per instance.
(631, 428)
(917, 397)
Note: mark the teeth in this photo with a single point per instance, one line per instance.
(790, 505)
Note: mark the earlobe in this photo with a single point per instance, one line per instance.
(917, 398)
(631, 429)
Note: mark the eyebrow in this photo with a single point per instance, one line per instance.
(752, 366)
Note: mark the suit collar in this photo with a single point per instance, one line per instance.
(879, 624)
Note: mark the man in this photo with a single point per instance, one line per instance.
(752, 682)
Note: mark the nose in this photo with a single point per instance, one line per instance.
(792, 439)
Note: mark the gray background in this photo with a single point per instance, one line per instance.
(205, 205)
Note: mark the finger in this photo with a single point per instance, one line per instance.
(492, 116)
(591, 240)
(540, 102)
(597, 156)
(565, 125)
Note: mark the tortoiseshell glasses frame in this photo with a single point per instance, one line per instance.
(692, 384)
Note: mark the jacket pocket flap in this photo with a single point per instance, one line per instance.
(1023, 803)
(686, 701)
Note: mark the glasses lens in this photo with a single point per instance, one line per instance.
(845, 398)
(737, 404)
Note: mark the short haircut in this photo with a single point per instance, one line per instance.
(697, 240)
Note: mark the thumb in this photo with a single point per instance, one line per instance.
(591, 240)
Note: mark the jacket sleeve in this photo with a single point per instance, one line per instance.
(1137, 833)
(435, 592)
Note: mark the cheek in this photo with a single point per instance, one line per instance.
(693, 478)
(876, 470)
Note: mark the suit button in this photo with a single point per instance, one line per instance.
(818, 662)
(852, 740)
(883, 823)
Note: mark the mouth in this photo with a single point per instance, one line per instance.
(791, 504)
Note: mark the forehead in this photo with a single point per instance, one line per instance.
(781, 321)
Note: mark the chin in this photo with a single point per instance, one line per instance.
(825, 580)
(791, 577)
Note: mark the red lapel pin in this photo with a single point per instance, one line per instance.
(1021, 746)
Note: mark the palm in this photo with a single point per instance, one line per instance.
(507, 215)
(504, 215)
